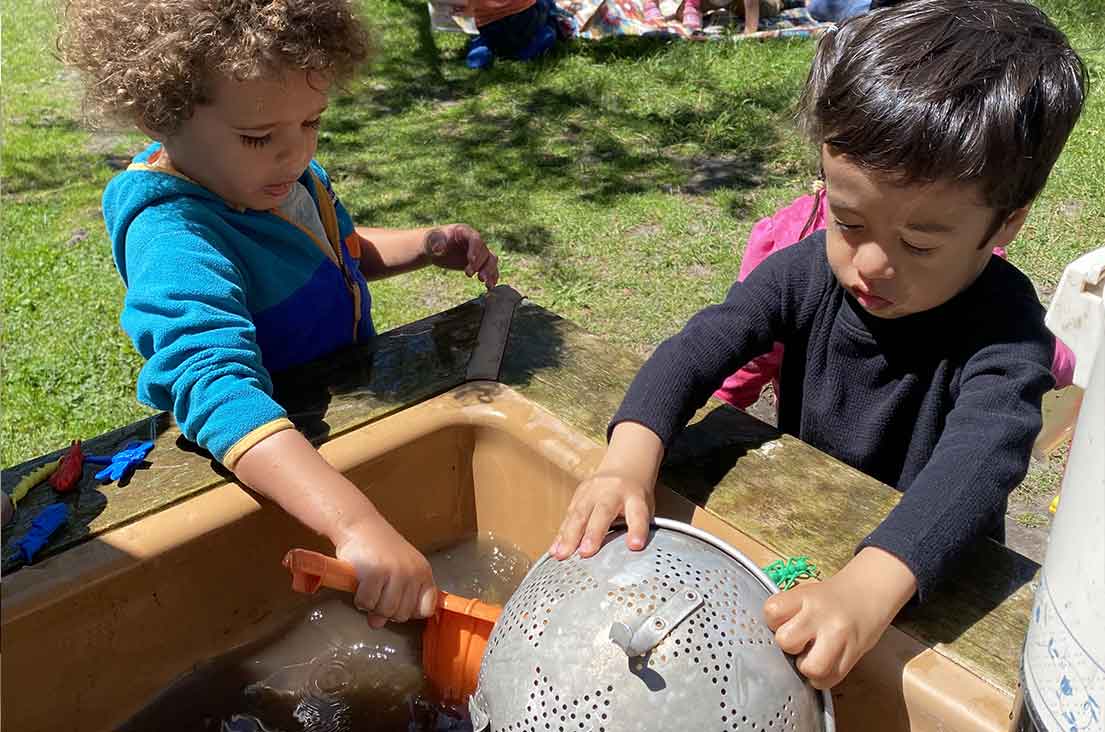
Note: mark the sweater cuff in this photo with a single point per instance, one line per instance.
(239, 448)
(641, 418)
(903, 547)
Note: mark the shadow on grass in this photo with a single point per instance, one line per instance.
(562, 131)
(521, 128)
(579, 142)
(49, 152)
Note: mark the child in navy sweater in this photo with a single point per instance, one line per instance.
(911, 353)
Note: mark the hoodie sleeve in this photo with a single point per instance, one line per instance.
(186, 313)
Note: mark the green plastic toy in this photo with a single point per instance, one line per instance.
(787, 572)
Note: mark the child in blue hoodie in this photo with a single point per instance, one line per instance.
(238, 257)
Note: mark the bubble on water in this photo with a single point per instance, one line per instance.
(331, 677)
(316, 615)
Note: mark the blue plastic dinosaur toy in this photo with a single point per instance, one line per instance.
(121, 463)
(44, 525)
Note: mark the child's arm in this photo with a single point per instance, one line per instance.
(396, 582)
(678, 379)
(388, 252)
(186, 313)
(981, 455)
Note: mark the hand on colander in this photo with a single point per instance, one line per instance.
(623, 485)
(830, 625)
(395, 579)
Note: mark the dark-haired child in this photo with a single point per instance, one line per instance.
(912, 353)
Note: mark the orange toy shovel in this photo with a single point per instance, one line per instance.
(453, 640)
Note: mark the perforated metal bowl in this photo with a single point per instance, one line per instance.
(668, 638)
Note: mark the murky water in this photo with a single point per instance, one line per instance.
(326, 670)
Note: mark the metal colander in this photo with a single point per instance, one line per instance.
(668, 638)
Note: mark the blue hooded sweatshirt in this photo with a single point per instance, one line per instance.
(219, 297)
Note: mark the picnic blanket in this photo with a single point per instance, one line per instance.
(595, 19)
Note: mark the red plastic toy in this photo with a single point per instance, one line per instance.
(69, 471)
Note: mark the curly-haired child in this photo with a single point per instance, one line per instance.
(238, 258)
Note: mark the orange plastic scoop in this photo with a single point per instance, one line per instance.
(453, 640)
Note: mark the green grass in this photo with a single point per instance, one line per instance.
(618, 181)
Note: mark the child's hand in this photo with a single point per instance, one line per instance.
(459, 246)
(830, 625)
(599, 500)
(623, 485)
(396, 582)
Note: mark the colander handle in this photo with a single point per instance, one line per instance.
(647, 634)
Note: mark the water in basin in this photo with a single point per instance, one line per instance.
(326, 670)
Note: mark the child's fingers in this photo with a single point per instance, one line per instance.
(369, 589)
(795, 634)
(489, 273)
(377, 621)
(427, 601)
(571, 530)
(821, 663)
(408, 606)
(781, 607)
(471, 243)
(478, 255)
(637, 517)
(391, 598)
(602, 515)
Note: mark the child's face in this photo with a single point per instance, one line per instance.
(903, 249)
(253, 140)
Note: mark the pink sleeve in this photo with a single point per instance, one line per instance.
(770, 234)
(1062, 365)
(761, 243)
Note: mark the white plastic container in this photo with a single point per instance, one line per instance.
(1063, 666)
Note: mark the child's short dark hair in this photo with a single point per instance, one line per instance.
(149, 62)
(979, 91)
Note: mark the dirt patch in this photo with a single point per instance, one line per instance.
(699, 271)
(78, 236)
(1071, 209)
(643, 231)
(433, 299)
(723, 171)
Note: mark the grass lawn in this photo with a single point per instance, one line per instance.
(618, 181)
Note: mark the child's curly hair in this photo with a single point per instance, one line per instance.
(150, 62)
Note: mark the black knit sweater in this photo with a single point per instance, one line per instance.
(943, 404)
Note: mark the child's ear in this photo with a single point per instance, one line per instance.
(1009, 228)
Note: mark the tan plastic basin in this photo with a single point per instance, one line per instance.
(90, 635)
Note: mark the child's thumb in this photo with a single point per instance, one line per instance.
(436, 242)
(781, 607)
(427, 603)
